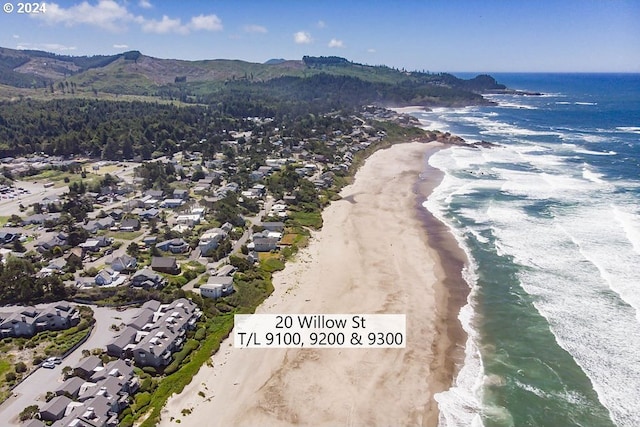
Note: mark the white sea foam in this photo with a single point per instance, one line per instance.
(585, 103)
(596, 153)
(629, 129)
(580, 255)
(581, 260)
(460, 405)
(495, 127)
(592, 176)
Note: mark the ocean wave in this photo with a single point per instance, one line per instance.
(628, 129)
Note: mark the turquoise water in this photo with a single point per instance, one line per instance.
(550, 220)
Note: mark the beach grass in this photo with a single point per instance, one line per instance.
(218, 328)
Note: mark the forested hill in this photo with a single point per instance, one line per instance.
(43, 75)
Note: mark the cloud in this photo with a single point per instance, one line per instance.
(302, 37)
(15, 36)
(164, 26)
(255, 29)
(167, 25)
(49, 47)
(371, 50)
(120, 46)
(336, 43)
(207, 23)
(321, 24)
(106, 14)
(113, 16)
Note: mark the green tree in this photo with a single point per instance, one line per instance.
(29, 412)
(133, 249)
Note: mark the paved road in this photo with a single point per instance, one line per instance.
(32, 391)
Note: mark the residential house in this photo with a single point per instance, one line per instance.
(98, 397)
(94, 245)
(27, 321)
(7, 237)
(210, 239)
(172, 203)
(87, 367)
(149, 240)
(159, 331)
(130, 224)
(116, 214)
(100, 224)
(119, 346)
(149, 214)
(70, 387)
(166, 265)
(225, 270)
(42, 218)
(188, 219)
(108, 277)
(263, 244)
(147, 279)
(58, 241)
(179, 193)
(124, 263)
(156, 194)
(175, 246)
(273, 226)
(217, 286)
(54, 409)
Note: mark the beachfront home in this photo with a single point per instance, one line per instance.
(156, 333)
(217, 287)
(263, 244)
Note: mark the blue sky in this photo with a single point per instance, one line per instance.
(433, 35)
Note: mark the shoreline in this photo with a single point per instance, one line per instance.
(339, 386)
(454, 289)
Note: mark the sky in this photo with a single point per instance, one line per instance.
(429, 35)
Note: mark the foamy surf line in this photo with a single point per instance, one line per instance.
(461, 404)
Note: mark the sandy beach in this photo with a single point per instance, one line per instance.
(373, 255)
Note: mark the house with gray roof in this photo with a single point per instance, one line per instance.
(54, 409)
(87, 366)
(147, 279)
(70, 387)
(158, 331)
(27, 321)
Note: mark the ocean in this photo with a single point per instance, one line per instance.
(550, 221)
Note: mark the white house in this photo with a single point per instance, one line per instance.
(217, 286)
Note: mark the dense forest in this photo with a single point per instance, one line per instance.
(125, 130)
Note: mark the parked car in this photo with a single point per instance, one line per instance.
(55, 360)
(48, 365)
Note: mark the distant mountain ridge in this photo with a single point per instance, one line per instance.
(133, 73)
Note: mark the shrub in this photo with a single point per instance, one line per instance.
(10, 376)
(200, 334)
(29, 412)
(142, 400)
(127, 421)
(150, 370)
(21, 367)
